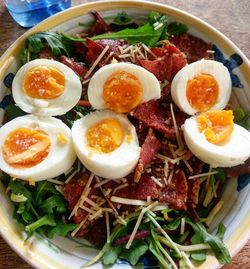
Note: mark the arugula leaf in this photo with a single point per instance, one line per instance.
(218, 247)
(45, 220)
(137, 249)
(61, 229)
(199, 255)
(221, 231)
(17, 187)
(12, 111)
(53, 204)
(111, 255)
(221, 175)
(174, 224)
(146, 33)
(58, 44)
(242, 117)
(177, 28)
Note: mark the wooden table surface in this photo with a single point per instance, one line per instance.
(231, 17)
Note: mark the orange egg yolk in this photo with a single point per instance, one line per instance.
(217, 126)
(122, 92)
(43, 82)
(202, 92)
(24, 148)
(105, 136)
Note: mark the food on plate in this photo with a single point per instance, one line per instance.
(46, 87)
(215, 139)
(106, 141)
(201, 86)
(121, 87)
(149, 178)
(35, 149)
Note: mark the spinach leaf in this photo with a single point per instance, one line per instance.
(137, 249)
(242, 117)
(218, 247)
(61, 229)
(177, 28)
(147, 33)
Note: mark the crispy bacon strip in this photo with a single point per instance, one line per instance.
(153, 116)
(170, 60)
(194, 48)
(72, 193)
(100, 26)
(175, 193)
(149, 148)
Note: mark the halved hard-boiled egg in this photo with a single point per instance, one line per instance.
(46, 87)
(33, 148)
(106, 143)
(121, 87)
(215, 139)
(201, 86)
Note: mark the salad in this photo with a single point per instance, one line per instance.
(123, 135)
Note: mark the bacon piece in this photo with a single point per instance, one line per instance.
(152, 114)
(145, 188)
(72, 193)
(79, 69)
(149, 148)
(167, 65)
(100, 26)
(80, 49)
(194, 48)
(242, 169)
(193, 192)
(175, 193)
(94, 50)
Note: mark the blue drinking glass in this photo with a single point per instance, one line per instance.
(28, 13)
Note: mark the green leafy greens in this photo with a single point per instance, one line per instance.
(58, 44)
(41, 208)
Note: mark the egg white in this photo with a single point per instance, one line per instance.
(47, 107)
(234, 151)
(60, 157)
(116, 164)
(150, 84)
(214, 68)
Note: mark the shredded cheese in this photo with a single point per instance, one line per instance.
(127, 201)
(83, 196)
(138, 222)
(188, 165)
(80, 226)
(170, 177)
(96, 215)
(58, 189)
(178, 137)
(156, 181)
(148, 50)
(120, 187)
(57, 182)
(166, 169)
(182, 230)
(87, 209)
(158, 26)
(96, 61)
(203, 175)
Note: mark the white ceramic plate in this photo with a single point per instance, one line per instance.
(66, 253)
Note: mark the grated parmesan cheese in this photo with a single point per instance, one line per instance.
(120, 187)
(203, 175)
(156, 181)
(127, 201)
(96, 61)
